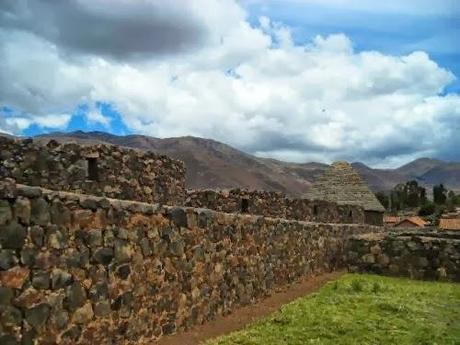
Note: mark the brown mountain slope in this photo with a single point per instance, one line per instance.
(211, 164)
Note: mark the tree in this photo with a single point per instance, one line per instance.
(439, 194)
(409, 194)
(451, 201)
(427, 209)
(384, 199)
(415, 194)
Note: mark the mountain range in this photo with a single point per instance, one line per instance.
(212, 164)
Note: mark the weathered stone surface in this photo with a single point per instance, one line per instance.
(28, 256)
(99, 291)
(273, 204)
(38, 315)
(14, 277)
(418, 255)
(83, 315)
(60, 279)
(5, 212)
(7, 186)
(75, 296)
(41, 280)
(72, 334)
(59, 213)
(128, 271)
(145, 247)
(40, 212)
(123, 271)
(6, 339)
(104, 255)
(6, 295)
(37, 235)
(61, 318)
(8, 259)
(10, 316)
(57, 240)
(179, 216)
(89, 202)
(94, 238)
(102, 308)
(22, 210)
(30, 192)
(28, 298)
(116, 172)
(12, 236)
(123, 251)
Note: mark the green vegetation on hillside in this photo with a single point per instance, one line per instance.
(362, 309)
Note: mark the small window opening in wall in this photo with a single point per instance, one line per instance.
(92, 172)
(350, 214)
(244, 205)
(315, 210)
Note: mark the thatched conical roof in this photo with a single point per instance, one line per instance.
(343, 185)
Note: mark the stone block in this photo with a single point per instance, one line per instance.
(12, 236)
(38, 315)
(5, 212)
(14, 277)
(22, 210)
(39, 212)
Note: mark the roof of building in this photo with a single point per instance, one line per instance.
(343, 185)
(414, 220)
(391, 219)
(449, 223)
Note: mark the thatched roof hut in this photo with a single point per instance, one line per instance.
(343, 185)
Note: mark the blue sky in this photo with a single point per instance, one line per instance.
(297, 80)
(387, 32)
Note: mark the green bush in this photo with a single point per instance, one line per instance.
(427, 209)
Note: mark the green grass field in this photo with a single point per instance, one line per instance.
(360, 310)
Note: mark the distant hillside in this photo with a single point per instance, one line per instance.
(211, 164)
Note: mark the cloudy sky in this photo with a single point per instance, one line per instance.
(298, 80)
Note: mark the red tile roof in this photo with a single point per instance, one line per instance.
(449, 223)
(414, 220)
(391, 219)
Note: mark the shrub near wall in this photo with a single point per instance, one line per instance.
(78, 269)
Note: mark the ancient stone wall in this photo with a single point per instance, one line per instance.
(78, 269)
(274, 204)
(431, 255)
(102, 170)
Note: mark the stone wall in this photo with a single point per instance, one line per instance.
(78, 269)
(274, 204)
(102, 170)
(431, 255)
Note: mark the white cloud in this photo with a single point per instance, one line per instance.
(49, 121)
(95, 116)
(251, 87)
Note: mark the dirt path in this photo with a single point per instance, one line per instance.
(244, 315)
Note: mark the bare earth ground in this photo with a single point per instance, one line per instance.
(248, 314)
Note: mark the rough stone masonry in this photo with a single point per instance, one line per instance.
(274, 204)
(103, 170)
(429, 255)
(79, 269)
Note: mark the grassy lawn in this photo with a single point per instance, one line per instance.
(360, 310)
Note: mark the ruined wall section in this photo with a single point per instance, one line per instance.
(274, 204)
(102, 170)
(429, 255)
(78, 269)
